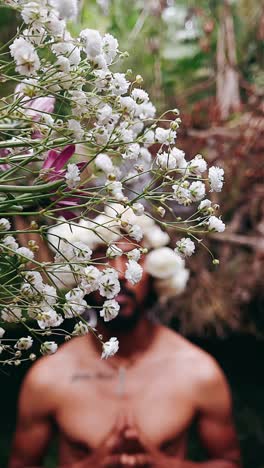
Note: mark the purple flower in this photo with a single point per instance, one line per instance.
(55, 161)
(53, 170)
(35, 106)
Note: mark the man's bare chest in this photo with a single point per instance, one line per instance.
(162, 409)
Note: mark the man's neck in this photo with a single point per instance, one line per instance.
(132, 342)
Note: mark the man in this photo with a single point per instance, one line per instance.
(134, 409)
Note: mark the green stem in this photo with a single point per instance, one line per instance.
(32, 188)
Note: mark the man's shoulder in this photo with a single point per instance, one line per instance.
(202, 367)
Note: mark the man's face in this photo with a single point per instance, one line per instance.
(131, 298)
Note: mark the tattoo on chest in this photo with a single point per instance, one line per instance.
(120, 375)
(94, 376)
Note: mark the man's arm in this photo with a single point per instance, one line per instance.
(34, 426)
(215, 422)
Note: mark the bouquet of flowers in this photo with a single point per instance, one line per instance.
(84, 160)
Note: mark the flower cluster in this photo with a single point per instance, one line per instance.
(76, 155)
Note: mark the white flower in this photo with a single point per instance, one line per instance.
(35, 34)
(102, 79)
(127, 104)
(103, 229)
(148, 137)
(140, 96)
(110, 348)
(197, 190)
(76, 129)
(25, 254)
(101, 135)
(56, 26)
(75, 304)
(4, 224)
(138, 209)
(33, 284)
(25, 56)
(24, 343)
(179, 156)
(146, 111)
(33, 12)
(204, 205)
(103, 162)
(49, 318)
(109, 285)
(48, 347)
(2, 332)
(163, 262)
(166, 161)
(67, 9)
(155, 237)
(165, 136)
(92, 41)
(82, 251)
(119, 84)
(110, 310)
(80, 329)
(114, 251)
(63, 64)
(90, 279)
(10, 242)
(185, 247)
(72, 175)
(216, 224)
(132, 151)
(104, 114)
(115, 189)
(79, 102)
(68, 49)
(11, 314)
(135, 232)
(198, 165)
(49, 295)
(134, 254)
(182, 194)
(133, 272)
(110, 48)
(216, 178)
(172, 286)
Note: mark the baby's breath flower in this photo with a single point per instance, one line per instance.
(216, 178)
(216, 224)
(48, 347)
(185, 247)
(110, 348)
(110, 310)
(24, 343)
(133, 272)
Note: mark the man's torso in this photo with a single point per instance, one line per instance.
(156, 393)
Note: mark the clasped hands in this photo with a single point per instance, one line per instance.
(114, 451)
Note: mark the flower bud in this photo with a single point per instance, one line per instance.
(161, 211)
(48, 347)
(139, 79)
(216, 261)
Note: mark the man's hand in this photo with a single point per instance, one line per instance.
(153, 456)
(114, 452)
(102, 456)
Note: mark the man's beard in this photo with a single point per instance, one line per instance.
(125, 322)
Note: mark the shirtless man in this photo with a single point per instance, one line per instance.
(134, 409)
